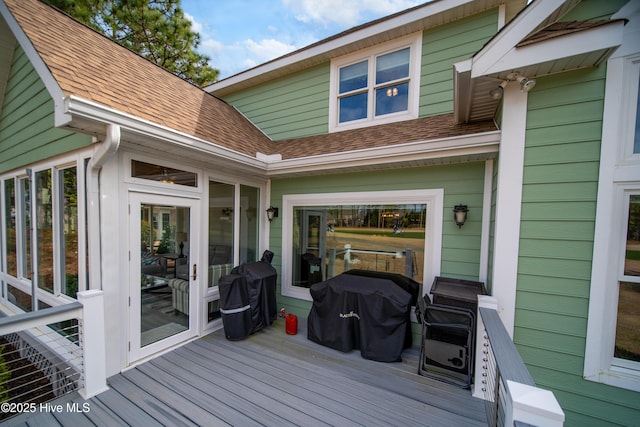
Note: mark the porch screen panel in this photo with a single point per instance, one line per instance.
(69, 230)
(10, 217)
(249, 203)
(25, 228)
(44, 230)
(221, 230)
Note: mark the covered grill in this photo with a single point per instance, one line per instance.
(260, 279)
(357, 312)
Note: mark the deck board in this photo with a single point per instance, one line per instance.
(271, 379)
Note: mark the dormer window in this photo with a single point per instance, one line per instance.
(376, 86)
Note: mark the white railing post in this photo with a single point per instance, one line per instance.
(93, 343)
(347, 257)
(485, 301)
(532, 405)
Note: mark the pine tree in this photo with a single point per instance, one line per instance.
(155, 29)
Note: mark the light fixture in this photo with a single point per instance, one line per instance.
(460, 214)
(526, 84)
(272, 213)
(498, 91)
(392, 91)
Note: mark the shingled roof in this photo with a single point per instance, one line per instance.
(90, 66)
(417, 130)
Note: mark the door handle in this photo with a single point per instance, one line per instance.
(195, 271)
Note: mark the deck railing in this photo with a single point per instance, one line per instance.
(376, 260)
(66, 346)
(503, 380)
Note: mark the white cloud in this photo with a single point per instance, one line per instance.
(343, 12)
(268, 48)
(195, 26)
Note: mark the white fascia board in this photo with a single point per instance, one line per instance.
(41, 68)
(487, 142)
(78, 107)
(599, 38)
(308, 53)
(462, 90)
(519, 28)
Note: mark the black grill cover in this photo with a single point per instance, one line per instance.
(356, 312)
(261, 279)
(234, 306)
(405, 283)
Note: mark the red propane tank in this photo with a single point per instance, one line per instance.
(291, 324)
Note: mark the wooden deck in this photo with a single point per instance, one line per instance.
(272, 379)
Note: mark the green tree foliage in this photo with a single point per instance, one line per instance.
(155, 29)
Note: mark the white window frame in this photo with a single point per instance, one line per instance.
(414, 42)
(433, 198)
(619, 178)
(22, 283)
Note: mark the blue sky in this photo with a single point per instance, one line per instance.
(239, 34)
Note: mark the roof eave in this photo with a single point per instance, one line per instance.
(429, 15)
(578, 50)
(475, 146)
(91, 118)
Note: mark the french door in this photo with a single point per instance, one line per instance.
(163, 272)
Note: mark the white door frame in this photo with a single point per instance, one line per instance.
(136, 199)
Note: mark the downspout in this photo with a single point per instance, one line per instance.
(94, 240)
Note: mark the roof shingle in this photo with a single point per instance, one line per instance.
(90, 66)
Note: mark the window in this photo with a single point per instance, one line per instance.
(44, 236)
(329, 233)
(68, 179)
(376, 86)
(10, 227)
(163, 174)
(627, 337)
(612, 353)
(228, 231)
(24, 228)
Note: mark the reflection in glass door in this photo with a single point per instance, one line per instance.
(161, 289)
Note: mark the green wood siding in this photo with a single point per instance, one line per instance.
(298, 105)
(444, 46)
(289, 107)
(27, 132)
(462, 183)
(564, 127)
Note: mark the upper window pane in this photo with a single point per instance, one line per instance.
(163, 174)
(353, 77)
(392, 66)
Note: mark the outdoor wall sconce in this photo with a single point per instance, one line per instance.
(460, 214)
(272, 213)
